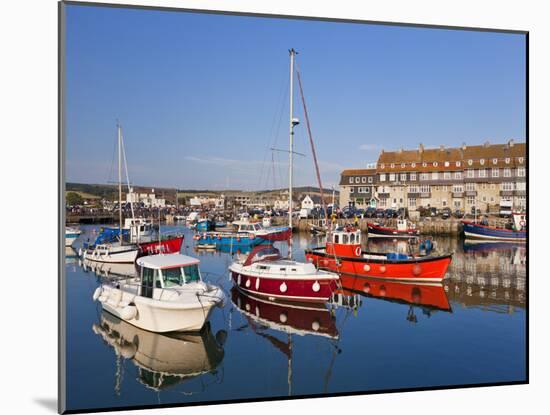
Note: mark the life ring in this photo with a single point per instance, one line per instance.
(522, 223)
(358, 251)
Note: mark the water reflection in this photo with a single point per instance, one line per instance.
(162, 360)
(110, 270)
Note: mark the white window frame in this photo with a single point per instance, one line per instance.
(382, 177)
(494, 172)
(507, 172)
(403, 177)
(435, 175)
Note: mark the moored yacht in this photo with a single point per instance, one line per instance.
(168, 295)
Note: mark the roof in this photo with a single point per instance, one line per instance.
(355, 172)
(162, 261)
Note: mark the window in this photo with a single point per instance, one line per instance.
(494, 172)
(446, 164)
(382, 166)
(357, 180)
(382, 202)
(471, 200)
(470, 173)
(470, 187)
(520, 186)
(507, 172)
(495, 161)
(383, 177)
(458, 175)
(507, 186)
(447, 175)
(351, 189)
(363, 179)
(413, 165)
(435, 175)
(435, 163)
(482, 162)
(520, 159)
(458, 164)
(403, 177)
(424, 164)
(424, 176)
(367, 190)
(470, 162)
(521, 171)
(370, 179)
(412, 176)
(507, 160)
(482, 173)
(458, 188)
(425, 188)
(392, 165)
(351, 179)
(413, 189)
(412, 201)
(392, 177)
(402, 165)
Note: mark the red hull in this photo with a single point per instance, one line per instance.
(419, 269)
(277, 236)
(297, 289)
(166, 246)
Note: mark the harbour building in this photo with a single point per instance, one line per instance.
(487, 176)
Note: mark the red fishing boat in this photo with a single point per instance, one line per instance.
(403, 230)
(343, 254)
(150, 240)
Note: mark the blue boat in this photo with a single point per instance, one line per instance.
(205, 225)
(230, 239)
(483, 231)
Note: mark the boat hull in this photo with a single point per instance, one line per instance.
(128, 256)
(294, 289)
(281, 234)
(233, 240)
(166, 246)
(70, 238)
(476, 231)
(419, 269)
(375, 231)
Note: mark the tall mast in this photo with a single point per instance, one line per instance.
(291, 139)
(119, 184)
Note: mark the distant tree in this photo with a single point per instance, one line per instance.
(74, 199)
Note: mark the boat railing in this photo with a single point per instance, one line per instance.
(118, 282)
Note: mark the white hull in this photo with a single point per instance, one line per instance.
(492, 238)
(126, 256)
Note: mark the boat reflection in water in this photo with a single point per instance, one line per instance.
(429, 297)
(110, 269)
(163, 360)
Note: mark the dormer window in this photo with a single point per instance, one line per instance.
(470, 162)
(507, 160)
(482, 161)
(402, 165)
(435, 163)
(413, 165)
(457, 164)
(446, 164)
(382, 165)
(424, 164)
(520, 159)
(392, 165)
(495, 161)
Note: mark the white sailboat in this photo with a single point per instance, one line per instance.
(114, 252)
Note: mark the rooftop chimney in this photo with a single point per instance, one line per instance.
(421, 148)
(463, 146)
(486, 144)
(511, 142)
(441, 147)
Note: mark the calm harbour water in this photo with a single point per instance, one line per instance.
(373, 337)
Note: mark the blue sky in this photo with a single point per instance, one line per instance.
(202, 97)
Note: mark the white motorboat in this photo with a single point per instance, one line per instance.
(71, 235)
(168, 295)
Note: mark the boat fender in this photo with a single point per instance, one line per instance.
(315, 325)
(115, 297)
(79, 252)
(247, 283)
(128, 313)
(283, 317)
(283, 288)
(97, 293)
(358, 251)
(257, 283)
(417, 269)
(247, 307)
(383, 269)
(522, 223)
(257, 312)
(239, 280)
(367, 267)
(316, 286)
(128, 350)
(366, 288)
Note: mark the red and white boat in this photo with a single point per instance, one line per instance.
(151, 241)
(404, 230)
(263, 272)
(343, 254)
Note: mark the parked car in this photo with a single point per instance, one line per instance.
(458, 213)
(446, 213)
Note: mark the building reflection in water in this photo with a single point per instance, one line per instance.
(162, 360)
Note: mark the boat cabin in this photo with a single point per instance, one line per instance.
(520, 221)
(167, 271)
(403, 225)
(344, 242)
(246, 226)
(140, 229)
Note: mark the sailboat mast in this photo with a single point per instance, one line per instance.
(291, 149)
(119, 184)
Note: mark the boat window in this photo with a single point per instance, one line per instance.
(336, 239)
(257, 227)
(282, 269)
(192, 273)
(172, 277)
(147, 277)
(352, 238)
(358, 238)
(263, 267)
(293, 269)
(344, 239)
